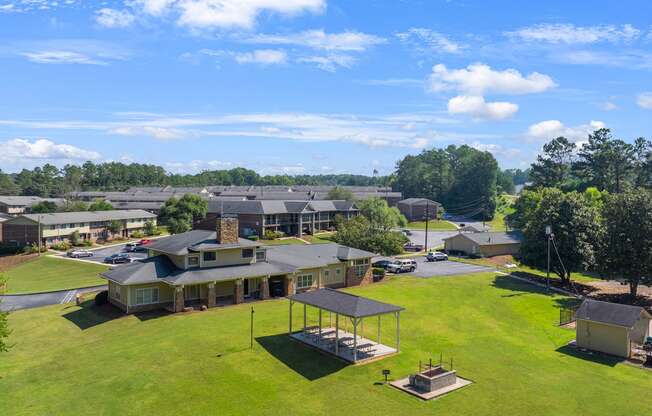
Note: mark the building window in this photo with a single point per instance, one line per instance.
(146, 296)
(247, 253)
(260, 255)
(193, 261)
(338, 271)
(116, 292)
(210, 256)
(304, 281)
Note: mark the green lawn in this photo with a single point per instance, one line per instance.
(500, 333)
(47, 273)
(282, 241)
(433, 225)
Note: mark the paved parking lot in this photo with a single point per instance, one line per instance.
(444, 268)
(435, 238)
(100, 253)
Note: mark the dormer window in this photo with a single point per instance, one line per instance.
(247, 253)
(193, 261)
(210, 256)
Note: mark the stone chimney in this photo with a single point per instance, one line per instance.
(227, 229)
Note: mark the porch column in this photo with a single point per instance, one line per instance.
(179, 302)
(238, 295)
(290, 319)
(337, 334)
(264, 289)
(211, 302)
(355, 339)
(289, 286)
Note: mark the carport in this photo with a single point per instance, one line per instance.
(349, 346)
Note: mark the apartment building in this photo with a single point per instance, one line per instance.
(18, 205)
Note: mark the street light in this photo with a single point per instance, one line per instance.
(549, 236)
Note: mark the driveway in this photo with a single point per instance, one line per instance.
(100, 253)
(435, 238)
(16, 302)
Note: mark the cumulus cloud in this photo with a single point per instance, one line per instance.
(17, 149)
(549, 129)
(262, 56)
(478, 108)
(114, 18)
(224, 14)
(429, 41)
(571, 34)
(347, 41)
(608, 106)
(479, 79)
(644, 100)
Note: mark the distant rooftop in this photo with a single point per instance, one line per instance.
(344, 303)
(87, 216)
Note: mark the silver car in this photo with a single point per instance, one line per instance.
(75, 254)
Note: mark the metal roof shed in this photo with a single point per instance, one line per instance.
(351, 306)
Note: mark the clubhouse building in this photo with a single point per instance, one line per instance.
(213, 268)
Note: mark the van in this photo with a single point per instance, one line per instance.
(402, 266)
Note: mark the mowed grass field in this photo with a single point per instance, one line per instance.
(502, 334)
(433, 225)
(47, 274)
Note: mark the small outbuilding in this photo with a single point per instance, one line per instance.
(484, 244)
(417, 209)
(611, 328)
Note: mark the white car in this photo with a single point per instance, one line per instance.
(402, 265)
(436, 256)
(75, 254)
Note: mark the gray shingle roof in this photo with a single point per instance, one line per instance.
(345, 303)
(88, 216)
(491, 238)
(314, 255)
(262, 207)
(418, 201)
(149, 270)
(195, 240)
(27, 201)
(218, 274)
(610, 313)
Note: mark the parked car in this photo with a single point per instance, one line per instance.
(118, 258)
(413, 247)
(402, 265)
(407, 232)
(381, 264)
(77, 253)
(131, 247)
(145, 241)
(436, 256)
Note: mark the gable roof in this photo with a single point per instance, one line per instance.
(195, 240)
(146, 271)
(611, 313)
(264, 206)
(418, 201)
(314, 255)
(491, 238)
(27, 201)
(345, 303)
(87, 216)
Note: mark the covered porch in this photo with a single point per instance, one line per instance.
(350, 346)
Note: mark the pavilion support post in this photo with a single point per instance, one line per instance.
(355, 339)
(398, 331)
(320, 323)
(362, 327)
(290, 320)
(304, 318)
(337, 334)
(379, 329)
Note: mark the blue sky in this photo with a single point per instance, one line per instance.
(314, 86)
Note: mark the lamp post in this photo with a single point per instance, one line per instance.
(425, 246)
(549, 237)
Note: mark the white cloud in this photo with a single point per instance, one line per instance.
(394, 82)
(428, 41)
(644, 100)
(549, 129)
(348, 41)
(114, 18)
(62, 57)
(571, 34)
(160, 133)
(478, 108)
(608, 106)
(224, 14)
(329, 63)
(262, 56)
(18, 149)
(478, 79)
(497, 150)
(197, 166)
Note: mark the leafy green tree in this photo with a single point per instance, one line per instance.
(339, 193)
(552, 169)
(626, 243)
(358, 232)
(150, 228)
(73, 206)
(43, 207)
(525, 205)
(575, 224)
(115, 227)
(505, 182)
(180, 214)
(100, 205)
(4, 321)
(7, 185)
(74, 238)
(380, 215)
(643, 163)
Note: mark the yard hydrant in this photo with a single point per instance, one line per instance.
(78, 299)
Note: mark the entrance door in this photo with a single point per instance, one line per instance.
(277, 286)
(191, 292)
(245, 288)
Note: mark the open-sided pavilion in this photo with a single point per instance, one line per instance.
(345, 345)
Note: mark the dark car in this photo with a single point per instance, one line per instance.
(381, 264)
(117, 258)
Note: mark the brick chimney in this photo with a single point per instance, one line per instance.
(226, 227)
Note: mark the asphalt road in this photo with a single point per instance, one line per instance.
(435, 238)
(100, 253)
(445, 268)
(16, 302)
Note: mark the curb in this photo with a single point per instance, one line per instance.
(562, 291)
(54, 291)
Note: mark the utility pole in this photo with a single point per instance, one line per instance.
(39, 235)
(427, 220)
(549, 237)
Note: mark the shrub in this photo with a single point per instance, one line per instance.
(253, 237)
(138, 234)
(273, 235)
(102, 298)
(62, 246)
(33, 248)
(10, 249)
